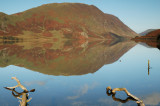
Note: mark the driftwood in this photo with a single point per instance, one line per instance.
(24, 94)
(131, 97)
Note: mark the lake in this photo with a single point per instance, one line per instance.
(70, 73)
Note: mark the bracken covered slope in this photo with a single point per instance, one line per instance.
(146, 32)
(73, 20)
(152, 38)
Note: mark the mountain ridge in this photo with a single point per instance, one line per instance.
(76, 17)
(146, 32)
(152, 38)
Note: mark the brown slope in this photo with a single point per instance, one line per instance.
(153, 35)
(2, 14)
(115, 25)
(152, 38)
(146, 32)
(74, 17)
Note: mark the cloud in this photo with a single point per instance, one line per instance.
(73, 97)
(41, 83)
(83, 90)
(105, 101)
(109, 101)
(153, 99)
(37, 82)
(78, 103)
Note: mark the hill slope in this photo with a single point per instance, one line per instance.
(74, 20)
(152, 35)
(146, 32)
(152, 38)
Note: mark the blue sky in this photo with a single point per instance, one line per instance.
(139, 15)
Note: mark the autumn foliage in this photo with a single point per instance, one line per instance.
(69, 18)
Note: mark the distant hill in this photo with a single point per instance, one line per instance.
(73, 20)
(2, 14)
(155, 33)
(146, 32)
(152, 38)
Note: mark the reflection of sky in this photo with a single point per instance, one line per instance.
(131, 73)
(152, 99)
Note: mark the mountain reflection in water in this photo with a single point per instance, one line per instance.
(130, 71)
(62, 57)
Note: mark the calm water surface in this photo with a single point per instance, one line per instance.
(79, 75)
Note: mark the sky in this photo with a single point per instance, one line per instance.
(139, 15)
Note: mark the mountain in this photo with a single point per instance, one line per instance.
(155, 33)
(71, 20)
(146, 32)
(68, 58)
(152, 38)
(2, 14)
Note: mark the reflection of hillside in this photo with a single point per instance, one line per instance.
(150, 43)
(69, 58)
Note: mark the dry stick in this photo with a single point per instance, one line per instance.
(24, 99)
(19, 85)
(138, 101)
